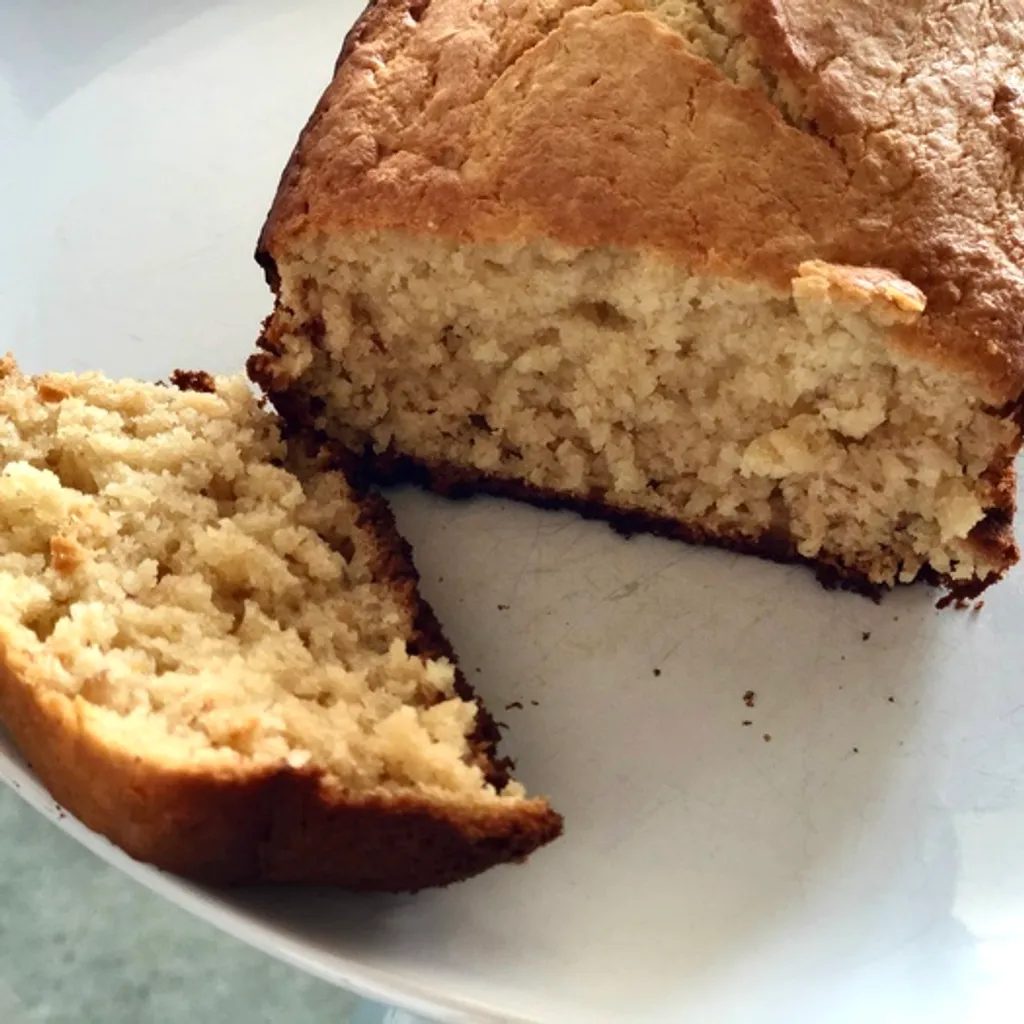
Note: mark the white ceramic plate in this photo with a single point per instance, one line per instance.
(865, 864)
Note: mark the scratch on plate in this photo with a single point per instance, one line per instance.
(623, 592)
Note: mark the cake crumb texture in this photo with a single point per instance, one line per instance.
(211, 618)
(733, 410)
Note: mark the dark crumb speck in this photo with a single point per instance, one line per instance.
(892, 700)
(750, 698)
(767, 737)
(746, 721)
(895, 618)
(978, 606)
(856, 750)
(866, 635)
(440, 579)
(518, 704)
(842, 657)
(535, 703)
(503, 607)
(477, 670)
(657, 672)
(194, 380)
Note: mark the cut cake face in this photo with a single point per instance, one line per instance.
(213, 652)
(745, 273)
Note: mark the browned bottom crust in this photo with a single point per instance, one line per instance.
(280, 825)
(369, 467)
(456, 482)
(388, 468)
(276, 826)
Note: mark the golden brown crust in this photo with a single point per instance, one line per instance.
(594, 124)
(925, 102)
(280, 826)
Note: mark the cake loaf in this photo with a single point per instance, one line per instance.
(746, 272)
(212, 651)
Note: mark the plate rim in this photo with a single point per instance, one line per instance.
(215, 907)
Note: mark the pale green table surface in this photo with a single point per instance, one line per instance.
(82, 944)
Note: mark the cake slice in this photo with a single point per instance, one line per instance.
(212, 651)
(746, 272)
